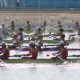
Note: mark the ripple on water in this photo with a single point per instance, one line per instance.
(40, 71)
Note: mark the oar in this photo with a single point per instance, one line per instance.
(65, 61)
(1, 61)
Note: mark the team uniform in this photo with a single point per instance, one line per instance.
(15, 40)
(5, 52)
(12, 26)
(64, 53)
(4, 31)
(28, 26)
(33, 52)
(20, 36)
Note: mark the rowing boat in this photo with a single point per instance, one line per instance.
(45, 47)
(38, 61)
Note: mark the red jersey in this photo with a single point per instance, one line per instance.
(5, 54)
(34, 53)
(64, 53)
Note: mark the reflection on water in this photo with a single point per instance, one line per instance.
(39, 72)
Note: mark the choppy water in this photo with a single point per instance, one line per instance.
(40, 72)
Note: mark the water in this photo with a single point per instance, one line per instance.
(39, 72)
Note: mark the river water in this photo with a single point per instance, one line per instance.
(40, 72)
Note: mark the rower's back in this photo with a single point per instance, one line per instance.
(5, 52)
(64, 52)
(33, 51)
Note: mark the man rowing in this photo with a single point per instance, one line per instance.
(33, 51)
(60, 33)
(4, 31)
(28, 25)
(4, 54)
(37, 38)
(44, 26)
(12, 26)
(20, 35)
(62, 53)
(63, 41)
(16, 42)
(59, 26)
(77, 27)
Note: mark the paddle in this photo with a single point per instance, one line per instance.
(1, 61)
(64, 61)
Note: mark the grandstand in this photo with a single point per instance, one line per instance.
(39, 4)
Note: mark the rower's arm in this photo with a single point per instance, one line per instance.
(57, 52)
(1, 54)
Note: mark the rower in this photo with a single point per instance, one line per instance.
(4, 31)
(59, 25)
(39, 39)
(43, 26)
(77, 26)
(28, 25)
(63, 41)
(12, 26)
(33, 51)
(5, 52)
(61, 32)
(16, 42)
(1, 35)
(63, 52)
(39, 42)
(20, 35)
(33, 37)
(39, 31)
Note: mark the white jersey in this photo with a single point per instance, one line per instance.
(4, 30)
